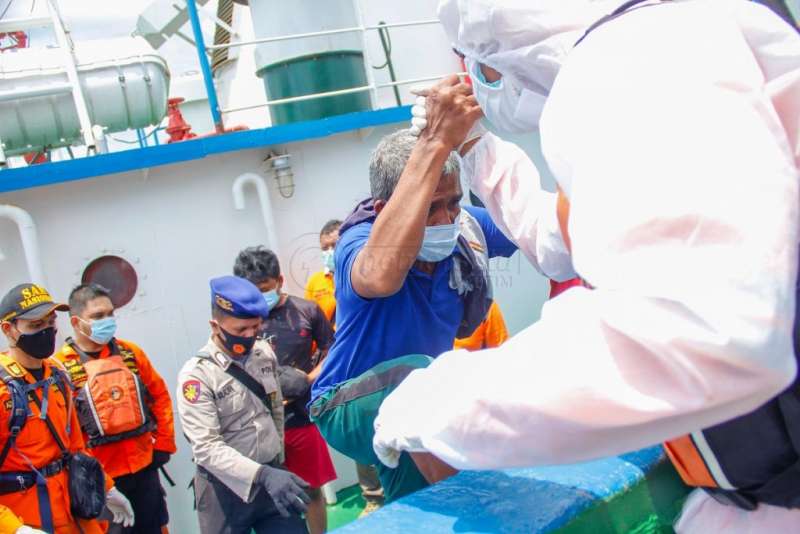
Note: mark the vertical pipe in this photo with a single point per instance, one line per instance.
(263, 198)
(386, 41)
(367, 63)
(30, 241)
(205, 68)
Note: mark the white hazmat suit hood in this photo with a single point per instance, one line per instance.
(526, 40)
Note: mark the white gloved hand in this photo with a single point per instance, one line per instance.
(419, 119)
(419, 122)
(120, 507)
(24, 529)
(389, 440)
(385, 448)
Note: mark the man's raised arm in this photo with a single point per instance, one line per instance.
(381, 267)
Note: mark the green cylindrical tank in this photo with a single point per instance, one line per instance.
(316, 73)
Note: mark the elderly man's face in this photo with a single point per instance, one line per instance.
(445, 203)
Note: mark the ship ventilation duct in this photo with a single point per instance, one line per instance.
(250, 178)
(30, 240)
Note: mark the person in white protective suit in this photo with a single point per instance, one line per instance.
(673, 131)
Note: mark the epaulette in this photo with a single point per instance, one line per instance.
(10, 366)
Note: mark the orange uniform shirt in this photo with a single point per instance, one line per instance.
(37, 444)
(133, 454)
(492, 332)
(320, 289)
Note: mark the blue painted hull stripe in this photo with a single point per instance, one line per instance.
(142, 158)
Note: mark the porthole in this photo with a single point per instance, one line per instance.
(116, 275)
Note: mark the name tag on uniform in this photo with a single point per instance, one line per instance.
(224, 392)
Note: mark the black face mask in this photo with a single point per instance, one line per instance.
(237, 345)
(40, 345)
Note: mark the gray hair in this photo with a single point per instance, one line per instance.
(389, 159)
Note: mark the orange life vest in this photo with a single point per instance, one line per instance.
(113, 403)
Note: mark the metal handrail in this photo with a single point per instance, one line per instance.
(338, 92)
(303, 98)
(323, 33)
(371, 86)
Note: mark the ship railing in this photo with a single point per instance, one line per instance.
(361, 89)
(372, 86)
(322, 33)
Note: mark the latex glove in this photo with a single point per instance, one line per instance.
(418, 116)
(419, 121)
(160, 459)
(452, 108)
(387, 447)
(24, 529)
(120, 507)
(286, 489)
(390, 438)
(384, 449)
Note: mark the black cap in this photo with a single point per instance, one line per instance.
(28, 301)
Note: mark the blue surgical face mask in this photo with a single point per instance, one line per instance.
(272, 298)
(102, 330)
(439, 241)
(327, 259)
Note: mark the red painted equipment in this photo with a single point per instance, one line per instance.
(17, 40)
(467, 78)
(177, 128)
(35, 158)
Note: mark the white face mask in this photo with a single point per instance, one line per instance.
(509, 108)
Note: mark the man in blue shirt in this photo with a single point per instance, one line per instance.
(411, 275)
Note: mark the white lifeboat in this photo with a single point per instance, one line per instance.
(124, 80)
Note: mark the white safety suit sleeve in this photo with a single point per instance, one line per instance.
(775, 48)
(508, 183)
(201, 426)
(684, 217)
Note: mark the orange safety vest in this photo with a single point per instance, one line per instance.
(35, 446)
(492, 332)
(134, 451)
(112, 402)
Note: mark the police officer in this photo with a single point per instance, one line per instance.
(231, 409)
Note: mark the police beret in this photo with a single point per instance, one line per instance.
(238, 297)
